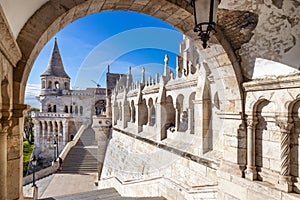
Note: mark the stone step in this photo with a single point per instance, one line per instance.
(82, 158)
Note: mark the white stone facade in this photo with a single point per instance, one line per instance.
(173, 136)
(62, 110)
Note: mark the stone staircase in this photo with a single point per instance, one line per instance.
(82, 158)
(105, 194)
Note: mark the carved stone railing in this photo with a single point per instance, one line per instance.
(50, 114)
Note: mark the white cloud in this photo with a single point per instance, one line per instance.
(31, 92)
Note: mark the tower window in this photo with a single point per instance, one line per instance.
(66, 109)
(49, 108)
(57, 85)
(81, 110)
(49, 84)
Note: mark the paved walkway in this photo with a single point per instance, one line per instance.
(105, 194)
(63, 184)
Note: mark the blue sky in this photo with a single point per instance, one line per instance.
(120, 39)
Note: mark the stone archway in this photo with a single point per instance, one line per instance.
(55, 15)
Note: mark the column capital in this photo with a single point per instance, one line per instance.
(284, 124)
(19, 110)
(251, 121)
(5, 120)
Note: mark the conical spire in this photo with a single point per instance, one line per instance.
(55, 65)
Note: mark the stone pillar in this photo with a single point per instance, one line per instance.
(125, 114)
(37, 132)
(250, 172)
(4, 125)
(50, 133)
(60, 135)
(65, 132)
(44, 133)
(14, 153)
(102, 133)
(190, 128)
(115, 113)
(149, 115)
(177, 117)
(284, 182)
(108, 107)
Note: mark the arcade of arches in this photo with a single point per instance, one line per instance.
(252, 65)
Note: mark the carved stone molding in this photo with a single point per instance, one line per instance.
(8, 44)
(284, 125)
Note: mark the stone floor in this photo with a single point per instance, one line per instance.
(63, 184)
(75, 187)
(105, 194)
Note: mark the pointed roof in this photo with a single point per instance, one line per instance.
(55, 65)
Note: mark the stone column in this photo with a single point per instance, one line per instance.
(250, 172)
(37, 132)
(60, 135)
(108, 107)
(284, 182)
(65, 132)
(115, 113)
(49, 131)
(149, 115)
(177, 117)
(44, 133)
(190, 128)
(102, 132)
(4, 125)
(14, 153)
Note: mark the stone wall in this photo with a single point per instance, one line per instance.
(152, 171)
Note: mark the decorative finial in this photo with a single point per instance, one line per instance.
(129, 70)
(166, 59)
(143, 75)
(166, 70)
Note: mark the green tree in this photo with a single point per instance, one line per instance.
(28, 126)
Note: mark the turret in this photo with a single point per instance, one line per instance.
(54, 79)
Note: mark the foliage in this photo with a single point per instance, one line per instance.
(28, 126)
(28, 143)
(27, 151)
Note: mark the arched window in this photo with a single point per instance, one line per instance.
(54, 108)
(66, 86)
(57, 86)
(81, 110)
(43, 84)
(66, 109)
(76, 109)
(71, 109)
(49, 108)
(49, 84)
